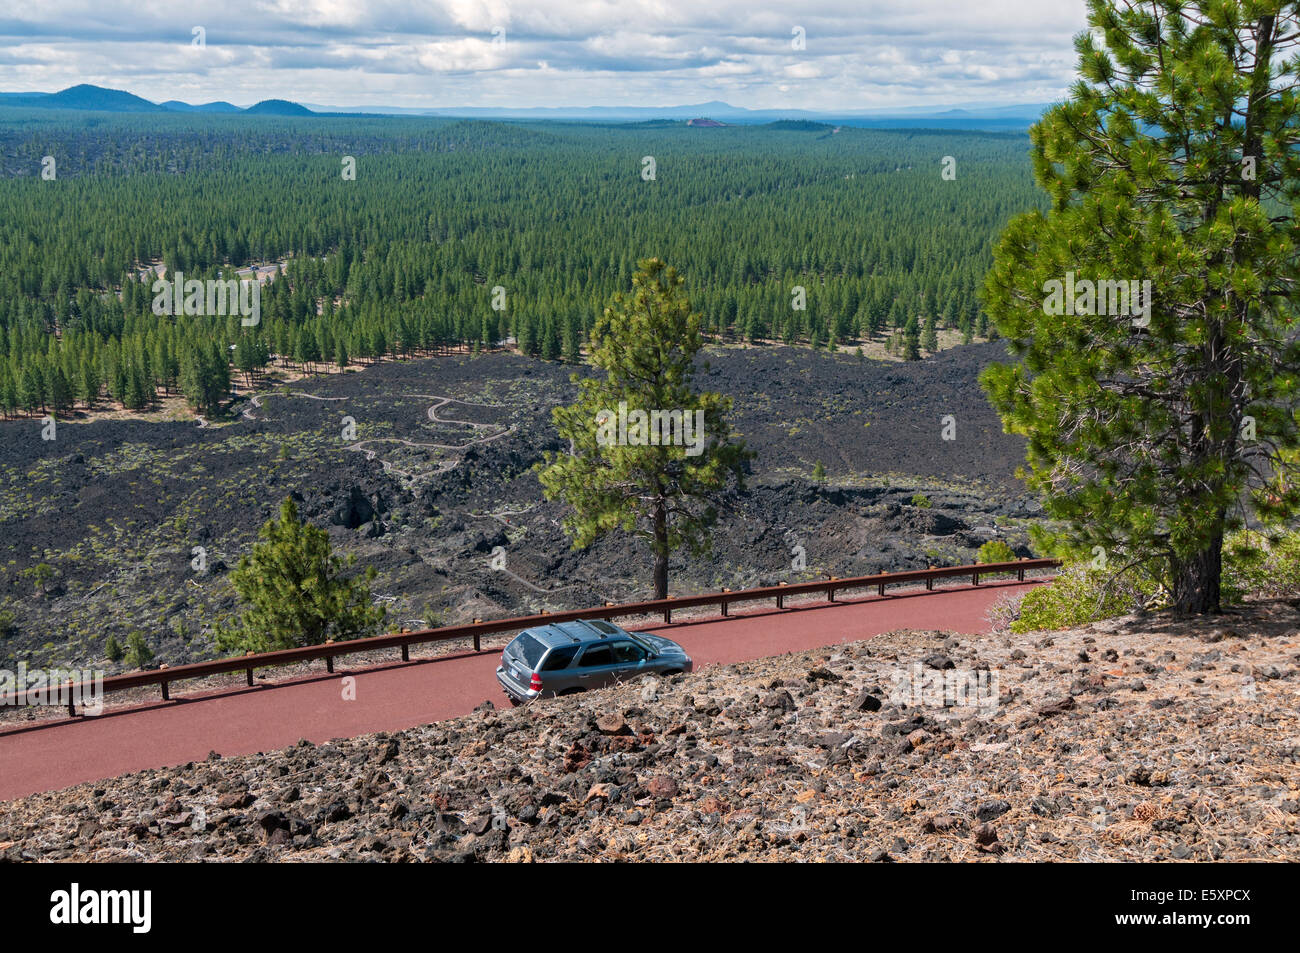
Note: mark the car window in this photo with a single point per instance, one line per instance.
(559, 658)
(597, 655)
(627, 652)
(528, 649)
(600, 625)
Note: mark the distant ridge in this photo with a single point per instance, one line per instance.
(175, 105)
(100, 99)
(982, 116)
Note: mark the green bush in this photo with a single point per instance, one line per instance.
(1254, 563)
(113, 649)
(1079, 595)
(1263, 564)
(995, 551)
(921, 500)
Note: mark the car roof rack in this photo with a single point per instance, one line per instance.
(564, 628)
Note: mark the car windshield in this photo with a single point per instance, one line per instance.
(528, 649)
(643, 643)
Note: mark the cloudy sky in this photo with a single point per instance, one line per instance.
(856, 54)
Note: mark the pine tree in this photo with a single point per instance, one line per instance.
(60, 391)
(663, 493)
(550, 347)
(9, 400)
(90, 382)
(1154, 429)
(138, 653)
(930, 339)
(573, 339)
(33, 388)
(911, 340)
(295, 591)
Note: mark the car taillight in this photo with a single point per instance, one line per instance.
(535, 683)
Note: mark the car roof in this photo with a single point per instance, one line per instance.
(573, 633)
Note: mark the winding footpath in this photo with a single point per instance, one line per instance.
(390, 697)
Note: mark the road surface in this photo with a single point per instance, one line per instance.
(58, 754)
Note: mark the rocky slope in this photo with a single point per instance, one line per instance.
(1139, 739)
(138, 524)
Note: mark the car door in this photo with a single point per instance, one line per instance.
(629, 659)
(596, 668)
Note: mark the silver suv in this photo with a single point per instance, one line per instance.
(567, 657)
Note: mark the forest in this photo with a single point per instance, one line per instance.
(402, 237)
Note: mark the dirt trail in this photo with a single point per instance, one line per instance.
(432, 414)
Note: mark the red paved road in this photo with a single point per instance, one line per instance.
(389, 698)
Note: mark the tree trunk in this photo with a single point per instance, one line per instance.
(1196, 580)
(661, 549)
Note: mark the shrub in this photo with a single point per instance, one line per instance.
(921, 500)
(42, 576)
(1080, 595)
(1004, 611)
(138, 653)
(995, 551)
(113, 649)
(1256, 563)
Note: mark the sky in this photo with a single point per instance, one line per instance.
(815, 54)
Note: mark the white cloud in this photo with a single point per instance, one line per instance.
(859, 53)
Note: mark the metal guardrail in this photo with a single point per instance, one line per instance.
(164, 676)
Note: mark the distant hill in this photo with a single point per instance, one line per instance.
(175, 105)
(85, 96)
(706, 123)
(278, 107)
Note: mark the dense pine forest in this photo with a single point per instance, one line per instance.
(464, 234)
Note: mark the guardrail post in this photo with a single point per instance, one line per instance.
(880, 589)
(974, 579)
(1020, 573)
(406, 653)
(668, 615)
(329, 664)
(166, 694)
(724, 606)
(248, 672)
(72, 705)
